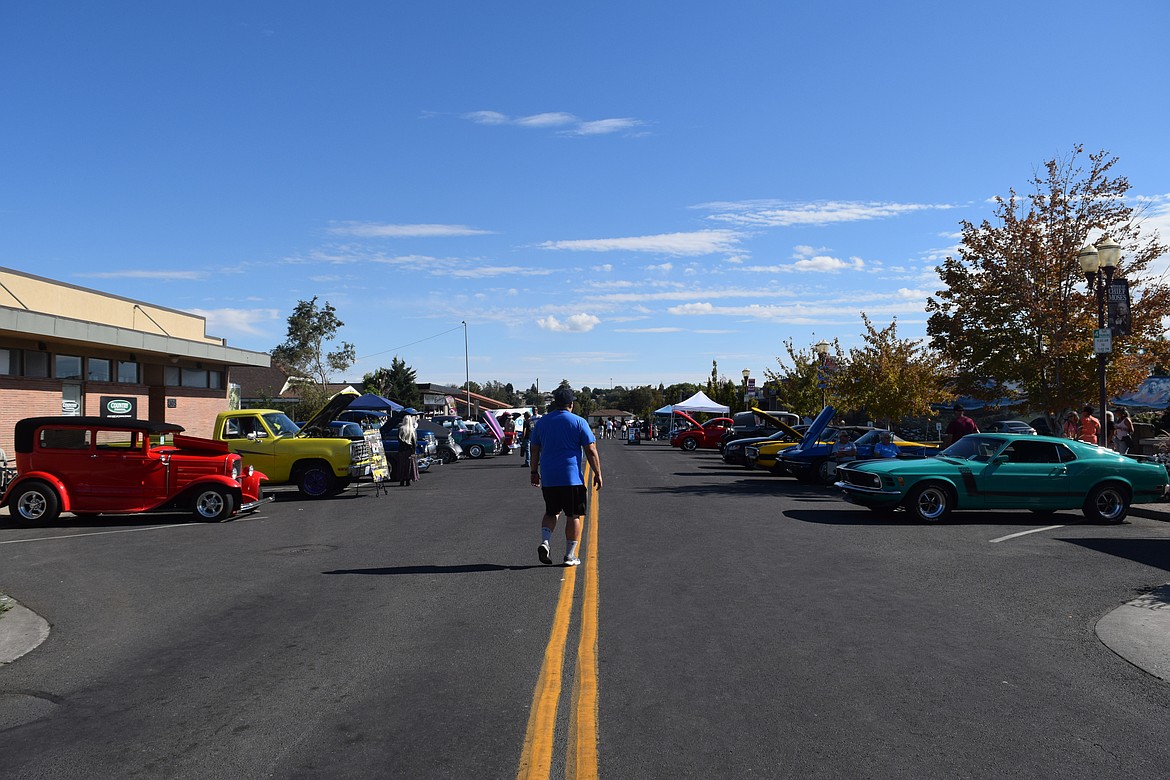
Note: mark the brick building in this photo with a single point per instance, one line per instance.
(71, 350)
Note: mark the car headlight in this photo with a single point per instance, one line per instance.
(235, 469)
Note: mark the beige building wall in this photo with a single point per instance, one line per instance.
(21, 291)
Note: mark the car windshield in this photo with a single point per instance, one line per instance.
(977, 448)
(280, 424)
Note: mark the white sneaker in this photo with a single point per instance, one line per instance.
(542, 553)
(572, 560)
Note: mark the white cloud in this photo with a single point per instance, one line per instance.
(576, 323)
(375, 230)
(487, 117)
(700, 242)
(826, 264)
(550, 119)
(660, 267)
(485, 271)
(236, 320)
(770, 213)
(562, 119)
(605, 126)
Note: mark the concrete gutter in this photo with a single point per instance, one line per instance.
(21, 630)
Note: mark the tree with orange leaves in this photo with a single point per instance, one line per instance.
(1015, 314)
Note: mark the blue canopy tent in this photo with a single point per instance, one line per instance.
(375, 403)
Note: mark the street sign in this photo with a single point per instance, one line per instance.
(1102, 341)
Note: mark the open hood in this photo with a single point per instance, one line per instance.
(794, 434)
(492, 424)
(812, 435)
(330, 410)
(687, 417)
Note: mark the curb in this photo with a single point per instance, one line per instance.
(1152, 514)
(1137, 631)
(21, 631)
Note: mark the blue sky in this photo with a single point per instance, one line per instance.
(606, 192)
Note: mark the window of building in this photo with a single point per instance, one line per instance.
(97, 370)
(171, 376)
(215, 380)
(9, 361)
(194, 377)
(36, 364)
(127, 372)
(67, 367)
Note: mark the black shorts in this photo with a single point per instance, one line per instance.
(569, 499)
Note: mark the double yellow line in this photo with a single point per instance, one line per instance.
(581, 757)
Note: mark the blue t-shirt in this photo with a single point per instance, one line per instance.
(560, 434)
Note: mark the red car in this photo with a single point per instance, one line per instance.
(705, 436)
(94, 465)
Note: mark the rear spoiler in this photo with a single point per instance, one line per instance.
(788, 429)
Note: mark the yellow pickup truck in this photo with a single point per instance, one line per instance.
(319, 464)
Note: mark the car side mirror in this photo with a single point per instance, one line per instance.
(254, 435)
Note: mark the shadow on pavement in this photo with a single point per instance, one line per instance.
(1148, 552)
(847, 514)
(467, 568)
(740, 487)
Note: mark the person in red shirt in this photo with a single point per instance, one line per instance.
(961, 425)
(1090, 426)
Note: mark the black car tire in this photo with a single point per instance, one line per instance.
(34, 503)
(475, 451)
(690, 444)
(448, 456)
(930, 503)
(213, 505)
(1108, 503)
(825, 473)
(315, 480)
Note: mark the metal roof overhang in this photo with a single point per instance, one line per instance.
(31, 324)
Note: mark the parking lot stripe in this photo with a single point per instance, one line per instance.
(101, 533)
(1025, 533)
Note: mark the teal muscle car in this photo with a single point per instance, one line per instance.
(1007, 471)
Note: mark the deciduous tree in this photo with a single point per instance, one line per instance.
(305, 353)
(891, 378)
(796, 382)
(1014, 310)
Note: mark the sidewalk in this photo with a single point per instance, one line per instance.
(21, 630)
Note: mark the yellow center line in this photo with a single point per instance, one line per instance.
(536, 755)
(582, 758)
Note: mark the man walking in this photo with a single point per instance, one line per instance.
(961, 426)
(558, 440)
(526, 438)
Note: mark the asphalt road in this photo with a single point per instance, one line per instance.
(746, 626)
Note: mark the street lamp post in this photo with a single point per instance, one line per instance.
(1098, 264)
(746, 373)
(822, 349)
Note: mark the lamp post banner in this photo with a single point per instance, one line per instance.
(1119, 307)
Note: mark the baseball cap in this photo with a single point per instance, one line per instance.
(564, 395)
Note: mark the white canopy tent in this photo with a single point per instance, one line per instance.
(699, 402)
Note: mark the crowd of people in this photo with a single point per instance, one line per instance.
(1087, 428)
